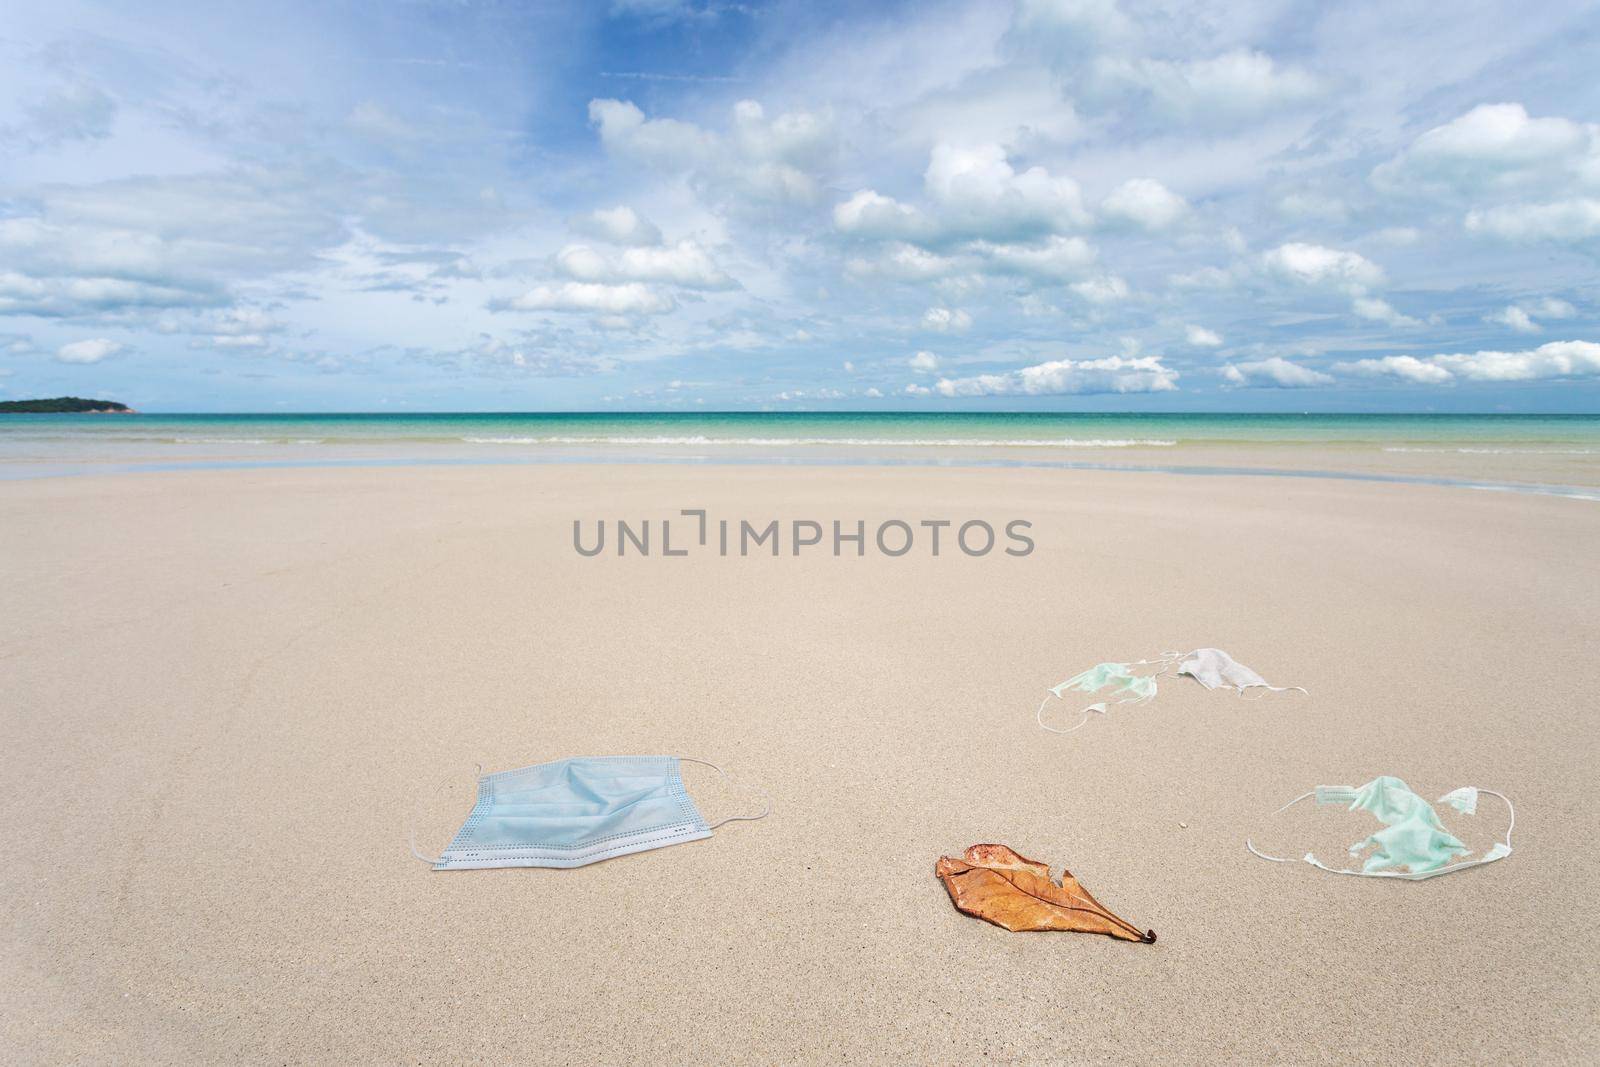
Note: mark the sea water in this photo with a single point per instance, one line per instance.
(33, 445)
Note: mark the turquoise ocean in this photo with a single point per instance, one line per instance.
(35, 445)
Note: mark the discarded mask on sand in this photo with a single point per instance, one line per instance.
(577, 811)
(1211, 667)
(994, 883)
(1413, 843)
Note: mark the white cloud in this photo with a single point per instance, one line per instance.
(1552, 361)
(1309, 264)
(926, 362)
(92, 351)
(869, 214)
(905, 262)
(1113, 374)
(619, 225)
(1374, 309)
(759, 160)
(1561, 221)
(1056, 257)
(1274, 373)
(1200, 337)
(1558, 359)
(1145, 203)
(1229, 88)
(583, 263)
(1515, 318)
(684, 264)
(1496, 146)
(1106, 289)
(946, 320)
(630, 298)
(1406, 368)
(624, 130)
(974, 195)
(980, 195)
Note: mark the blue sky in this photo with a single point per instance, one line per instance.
(1050, 205)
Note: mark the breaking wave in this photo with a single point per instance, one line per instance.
(1499, 451)
(883, 442)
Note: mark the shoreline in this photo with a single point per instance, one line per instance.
(112, 468)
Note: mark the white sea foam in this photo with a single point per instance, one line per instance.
(236, 440)
(887, 442)
(1500, 451)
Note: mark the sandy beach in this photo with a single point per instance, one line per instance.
(228, 696)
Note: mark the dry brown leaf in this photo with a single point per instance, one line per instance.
(994, 883)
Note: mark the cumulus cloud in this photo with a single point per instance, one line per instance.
(631, 298)
(619, 225)
(1496, 147)
(1144, 203)
(1375, 309)
(684, 264)
(757, 159)
(946, 320)
(1200, 337)
(91, 351)
(1406, 368)
(1112, 374)
(1273, 373)
(1559, 221)
(1521, 317)
(980, 195)
(1553, 361)
(1315, 265)
(926, 362)
(974, 194)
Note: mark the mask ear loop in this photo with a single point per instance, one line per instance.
(766, 797)
(1415, 876)
(1277, 859)
(1167, 660)
(416, 802)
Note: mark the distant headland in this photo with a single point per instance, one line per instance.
(64, 405)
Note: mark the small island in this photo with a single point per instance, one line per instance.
(63, 405)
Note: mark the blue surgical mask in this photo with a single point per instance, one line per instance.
(577, 811)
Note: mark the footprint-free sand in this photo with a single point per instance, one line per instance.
(226, 697)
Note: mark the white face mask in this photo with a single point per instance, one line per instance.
(1211, 667)
(1215, 669)
(1412, 838)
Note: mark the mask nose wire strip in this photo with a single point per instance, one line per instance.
(766, 808)
(1277, 859)
(416, 802)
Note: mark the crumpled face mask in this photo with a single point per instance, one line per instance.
(1128, 687)
(1211, 667)
(577, 811)
(1413, 843)
(1215, 669)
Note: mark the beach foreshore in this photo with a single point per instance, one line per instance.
(228, 697)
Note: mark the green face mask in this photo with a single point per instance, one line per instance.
(1116, 679)
(1413, 843)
